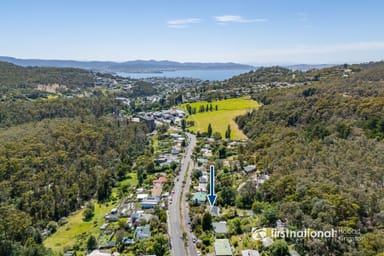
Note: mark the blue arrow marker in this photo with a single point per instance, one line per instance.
(212, 196)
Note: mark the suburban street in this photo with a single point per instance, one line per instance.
(177, 211)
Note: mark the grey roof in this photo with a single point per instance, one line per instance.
(250, 253)
(220, 227)
(222, 247)
(215, 211)
(143, 232)
(249, 168)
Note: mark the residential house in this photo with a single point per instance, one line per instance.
(146, 217)
(149, 202)
(202, 161)
(99, 253)
(199, 198)
(220, 227)
(160, 180)
(128, 241)
(135, 217)
(202, 187)
(104, 226)
(250, 253)
(175, 135)
(141, 197)
(156, 191)
(222, 247)
(111, 217)
(160, 160)
(215, 211)
(206, 152)
(203, 179)
(249, 168)
(175, 151)
(143, 232)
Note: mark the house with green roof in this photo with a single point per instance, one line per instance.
(143, 232)
(199, 198)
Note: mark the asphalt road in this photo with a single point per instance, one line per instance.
(178, 214)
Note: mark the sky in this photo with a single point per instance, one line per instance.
(243, 31)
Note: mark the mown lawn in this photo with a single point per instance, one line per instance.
(219, 120)
(76, 229)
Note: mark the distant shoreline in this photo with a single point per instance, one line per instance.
(202, 74)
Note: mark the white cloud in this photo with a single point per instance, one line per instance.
(182, 23)
(236, 19)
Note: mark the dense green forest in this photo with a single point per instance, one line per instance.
(13, 75)
(56, 154)
(23, 111)
(268, 75)
(21, 82)
(50, 168)
(323, 147)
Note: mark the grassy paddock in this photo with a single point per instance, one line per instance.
(69, 234)
(77, 230)
(227, 111)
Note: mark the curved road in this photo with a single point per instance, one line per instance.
(177, 211)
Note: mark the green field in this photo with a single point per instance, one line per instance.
(227, 111)
(76, 230)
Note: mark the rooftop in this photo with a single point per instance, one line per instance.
(222, 247)
(142, 196)
(249, 168)
(199, 196)
(156, 191)
(250, 253)
(220, 227)
(160, 180)
(143, 232)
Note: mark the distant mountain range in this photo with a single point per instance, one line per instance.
(136, 66)
(145, 66)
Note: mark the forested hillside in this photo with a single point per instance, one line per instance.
(268, 75)
(323, 146)
(24, 111)
(22, 82)
(56, 154)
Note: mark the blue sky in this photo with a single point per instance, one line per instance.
(244, 31)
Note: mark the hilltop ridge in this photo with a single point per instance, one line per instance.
(134, 66)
